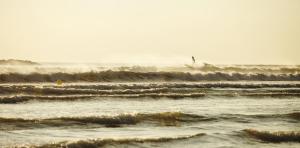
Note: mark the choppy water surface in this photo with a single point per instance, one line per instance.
(209, 106)
(166, 114)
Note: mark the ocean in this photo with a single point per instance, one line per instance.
(110, 105)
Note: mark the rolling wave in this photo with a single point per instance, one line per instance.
(181, 85)
(117, 142)
(294, 116)
(24, 98)
(163, 119)
(28, 96)
(12, 99)
(126, 76)
(138, 88)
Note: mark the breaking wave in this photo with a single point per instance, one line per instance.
(125, 76)
(275, 137)
(249, 68)
(106, 142)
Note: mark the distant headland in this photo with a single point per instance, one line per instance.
(17, 62)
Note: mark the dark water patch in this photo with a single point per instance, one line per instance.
(126, 76)
(295, 115)
(274, 137)
(13, 99)
(270, 94)
(116, 142)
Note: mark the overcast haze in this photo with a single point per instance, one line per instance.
(151, 31)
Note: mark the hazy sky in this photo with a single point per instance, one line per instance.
(151, 31)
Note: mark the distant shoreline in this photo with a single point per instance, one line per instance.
(17, 62)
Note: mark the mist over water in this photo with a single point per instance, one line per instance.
(102, 105)
(50, 68)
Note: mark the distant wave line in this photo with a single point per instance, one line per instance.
(125, 76)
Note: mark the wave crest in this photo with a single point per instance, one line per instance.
(104, 142)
